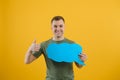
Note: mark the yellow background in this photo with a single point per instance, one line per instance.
(95, 24)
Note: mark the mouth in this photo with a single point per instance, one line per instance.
(58, 32)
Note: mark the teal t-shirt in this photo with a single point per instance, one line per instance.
(56, 70)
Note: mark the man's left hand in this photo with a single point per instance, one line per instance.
(83, 57)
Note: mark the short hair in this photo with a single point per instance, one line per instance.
(57, 18)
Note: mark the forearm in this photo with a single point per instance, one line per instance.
(29, 57)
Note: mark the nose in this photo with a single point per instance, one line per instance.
(58, 28)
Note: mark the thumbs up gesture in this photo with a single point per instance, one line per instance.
(34, 47)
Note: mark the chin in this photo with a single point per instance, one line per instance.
(58, 36)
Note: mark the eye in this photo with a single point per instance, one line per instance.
(61, 25)
(55, 26)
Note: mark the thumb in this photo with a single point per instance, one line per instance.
(34, 41)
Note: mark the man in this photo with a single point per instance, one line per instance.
(55, 70)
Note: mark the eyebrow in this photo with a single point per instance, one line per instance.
(58, 25)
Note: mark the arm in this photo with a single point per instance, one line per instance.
(29, 56)
(83, 57)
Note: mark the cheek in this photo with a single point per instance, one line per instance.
(54, 30)
(62, 30)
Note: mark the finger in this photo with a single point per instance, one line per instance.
(83, 52)
(36, 49)
(34, 41)
(37, 46)
(82, 55)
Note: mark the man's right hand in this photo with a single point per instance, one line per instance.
(34, 47)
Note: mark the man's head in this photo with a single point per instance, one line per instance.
(57, 23)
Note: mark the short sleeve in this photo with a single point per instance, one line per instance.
(37, 54)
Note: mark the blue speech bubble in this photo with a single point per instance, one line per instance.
(65, 52)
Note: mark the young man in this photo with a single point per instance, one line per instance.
(55, 70)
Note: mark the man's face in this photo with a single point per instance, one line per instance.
(58, 28)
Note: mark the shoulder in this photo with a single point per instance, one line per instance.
(69, 41)
(46, 42)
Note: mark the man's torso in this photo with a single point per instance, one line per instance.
(56, 70)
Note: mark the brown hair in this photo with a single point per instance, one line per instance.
(56, 18)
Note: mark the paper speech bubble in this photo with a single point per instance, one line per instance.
(65, 52)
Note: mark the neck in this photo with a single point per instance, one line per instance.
(55, 38)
